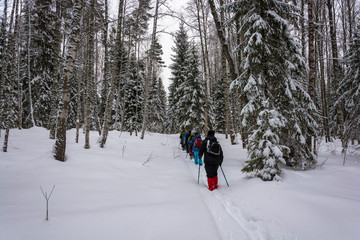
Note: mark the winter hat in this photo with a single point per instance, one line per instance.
(211, 133)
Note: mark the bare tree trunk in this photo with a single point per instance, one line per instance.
(95, 87)
(225, 55)
(12, 62)
(90, 79)
(78, 107)
(337, 70)
(109, 102)
(55, 87)
(205, 72)
(28, 69)
(324, 101)
(312, 61)
(60, 144)
(303, 29)
(210, 79)
(224, 45)
(20, 85)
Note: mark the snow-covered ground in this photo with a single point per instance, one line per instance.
(147, 189)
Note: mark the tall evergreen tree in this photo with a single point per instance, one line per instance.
(44, 59)
(179, 70)
(155, 113)
(194, 97)
(133, 96)
(349, 90)
(277, 112)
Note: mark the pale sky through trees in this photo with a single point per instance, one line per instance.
(167, 24)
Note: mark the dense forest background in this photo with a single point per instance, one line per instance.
(283, 75)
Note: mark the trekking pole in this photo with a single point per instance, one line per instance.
(224, 176)
(199, 174)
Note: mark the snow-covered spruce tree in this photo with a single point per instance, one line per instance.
(179, 70)
(186, 106)
(194, 96)
(44, 59)
(349, 91)
(133, 96)
(155, 115)
(277, 114)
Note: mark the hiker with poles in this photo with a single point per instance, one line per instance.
(196, 142)
(213, 158)
(182, 134)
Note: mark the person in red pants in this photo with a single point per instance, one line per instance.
(213, 158)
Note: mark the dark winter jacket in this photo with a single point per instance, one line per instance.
(208, 158)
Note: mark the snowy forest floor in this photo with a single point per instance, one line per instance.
(147, 189)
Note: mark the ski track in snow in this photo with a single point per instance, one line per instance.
(235, 220)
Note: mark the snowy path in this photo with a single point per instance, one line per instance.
(231, 212)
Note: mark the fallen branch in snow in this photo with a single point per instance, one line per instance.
(148, 159)
(321, 164)
(123, 150)
(47, 197)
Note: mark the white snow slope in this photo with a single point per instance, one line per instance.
(147, 189)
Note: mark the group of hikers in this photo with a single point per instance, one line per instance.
(209, 147)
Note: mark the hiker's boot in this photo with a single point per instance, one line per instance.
(211, 183)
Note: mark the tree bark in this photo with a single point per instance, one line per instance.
(109, 102)
(225, 52)
(312, 61)
(205, 66)
(324, 100)
(12, 62)
(60, 144)
(337, 70)
(54, 97)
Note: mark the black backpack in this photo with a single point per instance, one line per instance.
(213, 148)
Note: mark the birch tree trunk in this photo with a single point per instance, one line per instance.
(60, 144)
(90, 79)
(12, 62)
(109, 102)
(55, 87)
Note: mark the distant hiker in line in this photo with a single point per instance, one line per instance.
(182, 139)
(191, 144)
(196, 144)
(213, 158)
(185, 140)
